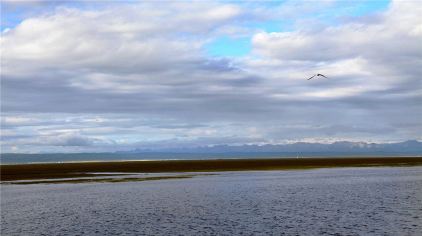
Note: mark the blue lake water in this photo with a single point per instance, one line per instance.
(334, 201)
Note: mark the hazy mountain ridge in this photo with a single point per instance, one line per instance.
(303, 149)
(410, 146)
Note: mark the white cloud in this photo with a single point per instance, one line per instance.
(136, 74)
(368, 56)
(396, 32)
(134, 38)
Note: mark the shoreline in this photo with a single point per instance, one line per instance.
(11, 172)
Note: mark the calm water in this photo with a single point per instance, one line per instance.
(343, 201)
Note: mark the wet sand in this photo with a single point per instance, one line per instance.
(90, 169)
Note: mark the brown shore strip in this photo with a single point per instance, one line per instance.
(87, 169)
(97, 180)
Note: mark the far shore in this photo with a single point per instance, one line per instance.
(112, 168)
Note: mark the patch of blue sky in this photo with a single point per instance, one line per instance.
(226, 46)
(9, 19)
(266, 3)
(12, 14)
(339, 11)
(361, 8)
(369, 7)
(273, 26)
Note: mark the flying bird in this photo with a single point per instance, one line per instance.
(318, 75)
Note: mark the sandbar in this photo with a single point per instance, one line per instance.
(88, 169)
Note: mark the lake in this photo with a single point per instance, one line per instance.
(332, 201)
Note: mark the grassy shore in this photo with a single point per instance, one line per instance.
(89, 169)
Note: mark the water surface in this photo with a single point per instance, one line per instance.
(343, 201)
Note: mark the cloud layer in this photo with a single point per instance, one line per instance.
(118, 77)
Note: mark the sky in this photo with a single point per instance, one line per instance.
(100, 76)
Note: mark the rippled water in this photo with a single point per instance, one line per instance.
(343, 201)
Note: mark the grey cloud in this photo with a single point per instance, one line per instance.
(75, 141)
(149, 82)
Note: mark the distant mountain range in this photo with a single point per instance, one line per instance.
(302, 149)
(410, 146)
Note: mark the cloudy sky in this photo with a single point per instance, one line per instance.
(82, 76)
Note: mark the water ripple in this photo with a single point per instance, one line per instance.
(347, 201)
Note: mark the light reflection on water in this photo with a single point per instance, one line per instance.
(344, 201)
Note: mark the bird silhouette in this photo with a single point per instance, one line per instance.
(317, 76)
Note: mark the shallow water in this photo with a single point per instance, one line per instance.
(342, 201)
